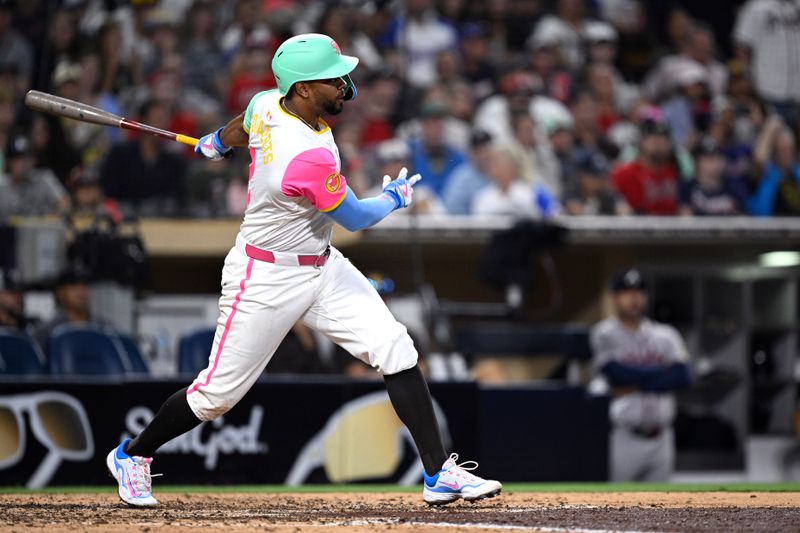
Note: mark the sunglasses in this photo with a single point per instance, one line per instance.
(58, 422)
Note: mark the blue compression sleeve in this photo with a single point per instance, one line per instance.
(673, 378)
(648, 379)
(354, 214)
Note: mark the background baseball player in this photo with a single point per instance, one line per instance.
(643, 361)
(282, 269)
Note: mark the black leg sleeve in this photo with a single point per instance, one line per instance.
(173, 419)
(412, 403)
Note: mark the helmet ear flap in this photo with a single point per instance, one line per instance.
(350, 91)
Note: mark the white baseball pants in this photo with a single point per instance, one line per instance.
(261, 301)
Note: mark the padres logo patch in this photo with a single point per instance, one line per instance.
(333, 182)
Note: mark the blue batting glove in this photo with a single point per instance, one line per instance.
(211, 146)
(401, 189)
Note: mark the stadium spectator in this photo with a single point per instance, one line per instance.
(637, 43)
(51, 150)
(248, 26)
(142, 175)
(592, 193)
(192, 111)
(564, 27)
(120, 69)
(31, 20)
(590, 134)
(339, 22)
(87, 197)
(698, 52)
(601, 42)
(26, 190)
(642, 362)
(202, 57)
(477, 67)
(748, 108)
(561, 137)
(421, 34)
(602, 83)
(16, 54)
(767, 36)
(470, 177)
(733, 129)
(251, 75)
(62, 47)
(381, 91)
(12, 303)
(712, 192)
(547, 64)
(83, 136)
(7, 116)
(493, 115)
(431, 153)
(539, 164)
(650, 183)
(456, 123)
(679, 25)
(778, 192)
(71, 293)
(162, 31)
(688, 112)
(508, 194)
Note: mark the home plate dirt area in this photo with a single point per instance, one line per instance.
(545, 512)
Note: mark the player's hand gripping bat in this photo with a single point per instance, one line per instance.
(64, 107)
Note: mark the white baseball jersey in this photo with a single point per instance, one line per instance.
(652, 345)
(771, 29)
(294, 179)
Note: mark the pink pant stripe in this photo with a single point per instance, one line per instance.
(250, 175)
(227, 329)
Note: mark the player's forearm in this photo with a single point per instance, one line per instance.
(673, 378)
(622, 375)
(355, 214)
(233, 133)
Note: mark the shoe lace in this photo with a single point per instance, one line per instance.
(463, 470)
(141, 478)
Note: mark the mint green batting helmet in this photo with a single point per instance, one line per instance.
(312, 56)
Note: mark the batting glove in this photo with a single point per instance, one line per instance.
(401, 189)
(211, 146)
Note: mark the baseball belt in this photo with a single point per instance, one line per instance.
(280, 258)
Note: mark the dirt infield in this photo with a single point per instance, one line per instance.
(333, 513)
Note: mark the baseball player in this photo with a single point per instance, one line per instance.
(283, 269)
(642, 361)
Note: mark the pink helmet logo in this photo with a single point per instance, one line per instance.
(336, 47)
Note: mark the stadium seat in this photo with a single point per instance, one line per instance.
(19, 355)
(193, 351)
(138, 364)
(86, 351)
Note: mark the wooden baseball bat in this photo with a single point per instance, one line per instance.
(64, 107)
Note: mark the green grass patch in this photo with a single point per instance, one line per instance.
(508, 487)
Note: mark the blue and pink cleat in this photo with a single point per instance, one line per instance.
(454, 481)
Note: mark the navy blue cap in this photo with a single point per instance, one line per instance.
(628, 279)
(592, 163)
(472, 30)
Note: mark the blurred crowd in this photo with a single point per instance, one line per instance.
(522, 107)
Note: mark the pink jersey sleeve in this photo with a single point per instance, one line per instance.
(312, 174)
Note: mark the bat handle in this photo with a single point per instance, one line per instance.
(185, 139)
